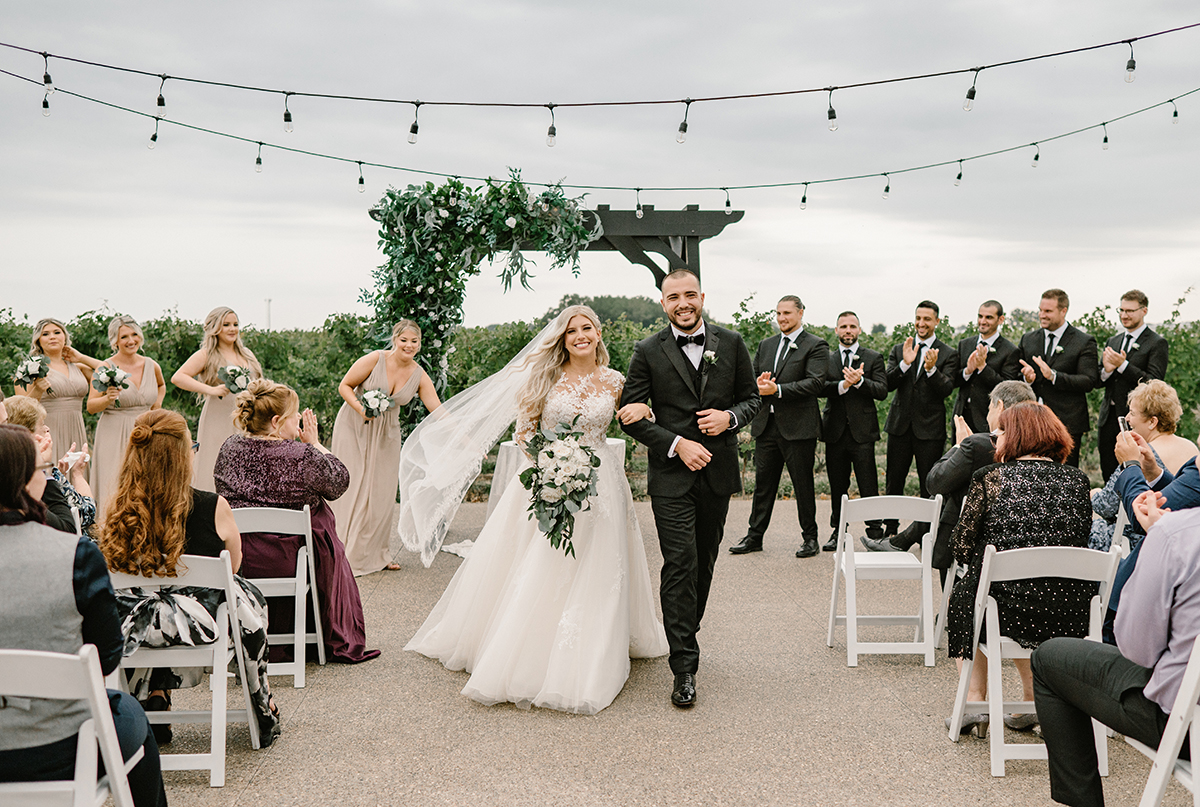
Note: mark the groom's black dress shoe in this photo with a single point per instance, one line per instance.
(748, 544)
(684, 694)
(808, 549)
(831, 544)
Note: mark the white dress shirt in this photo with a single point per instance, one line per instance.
(1133, 337)
(843, 385)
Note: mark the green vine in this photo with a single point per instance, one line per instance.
(436, 237)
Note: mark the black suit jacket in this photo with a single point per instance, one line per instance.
(951, 476)
(801, 379)
(856, 409)
(1076, 364)
(58, 509)
(920, 401)
(659, 374)
(1147, 361)
(1003, 364)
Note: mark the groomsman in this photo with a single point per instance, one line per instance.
(1061, 364)
(922, 371)
(1135, 354)
(791, 375)
(986, 359)
(855, 380)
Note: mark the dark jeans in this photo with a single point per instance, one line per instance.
(771, 453)
(690, 528)
(842, 456)
(56, 761)
(902, 449)
(1075, 680)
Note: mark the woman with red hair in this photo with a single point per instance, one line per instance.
(1028, 498)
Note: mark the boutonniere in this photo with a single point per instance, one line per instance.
(710, 357)
(991, 348)
(1057, 349)
(791, 345)
(1134, 346)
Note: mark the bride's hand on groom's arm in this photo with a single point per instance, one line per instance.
(633, 412)
(694, 455)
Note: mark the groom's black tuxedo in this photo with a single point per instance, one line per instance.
(689, 506)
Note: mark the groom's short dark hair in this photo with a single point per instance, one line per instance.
(679, 273)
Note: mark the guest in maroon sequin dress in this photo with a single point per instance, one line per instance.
(265, 466)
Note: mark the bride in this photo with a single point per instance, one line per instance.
(533, 626)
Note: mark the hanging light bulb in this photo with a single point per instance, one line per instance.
(804, 197)
(258, 160)
(46, 106)
(1036, 156)
(832, 112)
(47, 82)
(1131, 65)
(1104, 144)
(287, 113)
(154, 137)
(682, 135)
(638, 192)
(362, 183)
(887, 189)
(969, 103)
(958, 179)
(728, 204)
(412, 130)
(552, 132)
(1175, 114)
(162, 101)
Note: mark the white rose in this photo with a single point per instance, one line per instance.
(443, 212)
(437, 342)
(551, 495)
(511, 221)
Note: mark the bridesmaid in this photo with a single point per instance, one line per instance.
(222, 347)
(145, 392)
(370, 447)
(64, 388)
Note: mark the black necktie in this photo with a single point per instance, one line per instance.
(846, 358)
(1125, 345)
(1049, 345)
(917, 360)
(689, 339)
(784, 343)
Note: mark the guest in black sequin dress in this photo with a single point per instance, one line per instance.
(1029, 498)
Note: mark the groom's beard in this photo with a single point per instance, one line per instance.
(696, 323)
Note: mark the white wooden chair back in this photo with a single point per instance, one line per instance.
(851, 566)
(302, 585)
(77, 521)
(1119, 538)
(1166, 758)
(204, 572)
(38, 674)
(1069, 562)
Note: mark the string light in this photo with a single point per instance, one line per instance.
(682, 135)
(1175, 114)
(888, 187)
(638, 195)
(1131, 65)
(1036, 155)
(412, 130)
(287, 113)
(47, 82)
(258, 159)
(1104, 143)
(552, 132)
(958, 179)
(804, 197)
(362, 183)
(154, 137)
(46, 105)
(969, 104)
(728, 203)
(162, 102)
(832, 111)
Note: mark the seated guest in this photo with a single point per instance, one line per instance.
(1131, 686)
(1028, 499)
(265, 466)
(1154, 413)
(55, 595)
(156, 517)
(60, 494)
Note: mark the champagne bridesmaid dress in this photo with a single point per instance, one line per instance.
(64, 408)
(215, 427)
(112, 434)
(371, 452)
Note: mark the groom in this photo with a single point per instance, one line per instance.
(699, 380)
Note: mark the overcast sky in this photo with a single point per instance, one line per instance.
(89, 216)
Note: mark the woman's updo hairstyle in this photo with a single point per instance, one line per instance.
(402, 326)
(18, 463)
(123, 321)
(262, 401)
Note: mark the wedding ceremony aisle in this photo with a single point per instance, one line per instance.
(780, 719)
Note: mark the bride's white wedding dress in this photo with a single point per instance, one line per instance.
(533, 626)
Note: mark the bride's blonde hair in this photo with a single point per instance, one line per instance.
(546, 360)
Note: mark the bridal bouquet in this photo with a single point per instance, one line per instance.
(107, 376)
(562, 478)
(374, 402)
(31, 369)
(235, 378)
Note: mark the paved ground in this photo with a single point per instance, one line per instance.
(780, 718)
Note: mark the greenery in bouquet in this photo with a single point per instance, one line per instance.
(30, 369)
(374, 402)
(561, 480)
(235, 378)
(107, 376)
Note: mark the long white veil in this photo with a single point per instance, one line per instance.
(444, 454)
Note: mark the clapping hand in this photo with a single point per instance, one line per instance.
(1132, 446)
(961, 430)
(931, 357)
(45, 448)
(1112, 359)
(308, 427)
(1148, 507)
(766, 384)
(1029, 374)
(978, 359)
(1047, 373)
(909, 351)
(852, 375)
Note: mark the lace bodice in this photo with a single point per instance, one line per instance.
(594, 397)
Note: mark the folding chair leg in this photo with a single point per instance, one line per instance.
(928, 635)
(851, 623)
(1100, 730)
(833, 607)
(318, 628)
(996, 709)
(939, 626)
(960, 700)
(219, 681)
(300, 625)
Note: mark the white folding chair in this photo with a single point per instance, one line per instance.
(77, 521)
(939, 624)
(37, 674)
(854, 566)
(1023, 564)
(1166, 759)
(281, 521)
(1119, 539)
(203, 572)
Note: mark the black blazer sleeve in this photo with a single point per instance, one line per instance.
(875, 378)
(657, 439)
(58, 509)
(1156, 365)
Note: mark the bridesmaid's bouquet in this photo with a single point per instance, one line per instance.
(561, 480)
(235, 378)
(374, 402)
(30, 370)
(107, 377)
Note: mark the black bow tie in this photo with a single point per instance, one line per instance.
(694, 339)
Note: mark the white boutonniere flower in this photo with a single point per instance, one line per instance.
(991, 348)
(1134, 346)
(1057, 349)
(710, 357)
